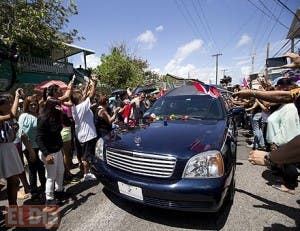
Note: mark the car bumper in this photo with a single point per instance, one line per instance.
(201, 195)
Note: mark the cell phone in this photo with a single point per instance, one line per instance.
(86, 79)
(21, 93)
(276, 62)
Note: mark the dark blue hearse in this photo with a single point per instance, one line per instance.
(183, 156)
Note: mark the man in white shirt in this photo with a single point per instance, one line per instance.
(85, 127)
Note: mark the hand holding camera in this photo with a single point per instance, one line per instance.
(20, 93)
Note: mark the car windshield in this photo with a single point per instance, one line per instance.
(194, 106)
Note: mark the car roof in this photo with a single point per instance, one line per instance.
(190, 89)
(184, 90)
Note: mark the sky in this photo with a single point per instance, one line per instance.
(180, 37)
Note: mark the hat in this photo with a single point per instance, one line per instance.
(290, 72)
(286, 81)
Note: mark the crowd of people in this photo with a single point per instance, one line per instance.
(273, 109)
(47, 130)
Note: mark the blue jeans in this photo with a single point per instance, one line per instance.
(257, 132)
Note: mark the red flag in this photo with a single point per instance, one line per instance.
(200, 87)
(213, 92)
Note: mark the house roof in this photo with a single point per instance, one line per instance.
(294, 31)
(70, 50)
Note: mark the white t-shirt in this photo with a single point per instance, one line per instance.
(283, 124)
(84, 121)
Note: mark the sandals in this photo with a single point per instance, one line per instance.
(282, 188)
(23, 196)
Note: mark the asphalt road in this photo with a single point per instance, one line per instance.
(257, 206)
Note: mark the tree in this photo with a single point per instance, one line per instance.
(119, 69)
(36, 25)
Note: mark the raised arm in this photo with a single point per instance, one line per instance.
(93, 87)
(14, 108)
(68, 91)
(270, 96)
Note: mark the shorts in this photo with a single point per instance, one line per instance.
(86, 150)
(66, 134)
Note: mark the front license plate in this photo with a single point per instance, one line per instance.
(130, 190)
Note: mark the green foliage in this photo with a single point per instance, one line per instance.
(33, 24)
(119, 69)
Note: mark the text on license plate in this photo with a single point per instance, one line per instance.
(130, 190)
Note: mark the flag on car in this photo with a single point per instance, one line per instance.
(200, 87)
(213, 92)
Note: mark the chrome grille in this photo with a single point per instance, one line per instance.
(141, 163)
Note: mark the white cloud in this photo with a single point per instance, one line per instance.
(187, 49)
(159, 28)
(245, 70)
(92, 61)
(147, 38)
(243, 62)
(244, 40)
(174, 66)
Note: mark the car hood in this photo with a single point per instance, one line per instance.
(181, 138)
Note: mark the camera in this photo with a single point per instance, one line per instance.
(21, 93)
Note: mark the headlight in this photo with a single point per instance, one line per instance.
(205, 165)
(99, 149)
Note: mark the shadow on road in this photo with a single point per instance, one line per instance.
(272, 177)
(288, 211)
(73, 202)
(188, 220)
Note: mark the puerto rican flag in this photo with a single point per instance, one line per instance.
(200, 87)
(210, 90)
(213, 92)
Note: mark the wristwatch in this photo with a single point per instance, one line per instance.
(267, 159)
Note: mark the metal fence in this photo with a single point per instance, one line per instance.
(33, 64)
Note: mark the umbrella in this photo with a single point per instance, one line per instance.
(39, 88)
(119, 92)
(145, 89)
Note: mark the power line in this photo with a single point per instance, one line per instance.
(192, 20)
(200, 19)
(207, 24)
(239, 30)
(185, 18)
(267, 14)
(258, 28)
(286, 7)
(273, 27)
(290, 48)
(281, 48)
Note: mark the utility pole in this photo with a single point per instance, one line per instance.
(224, 71)
(252, 62)
(216, 55)
(266, 69)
